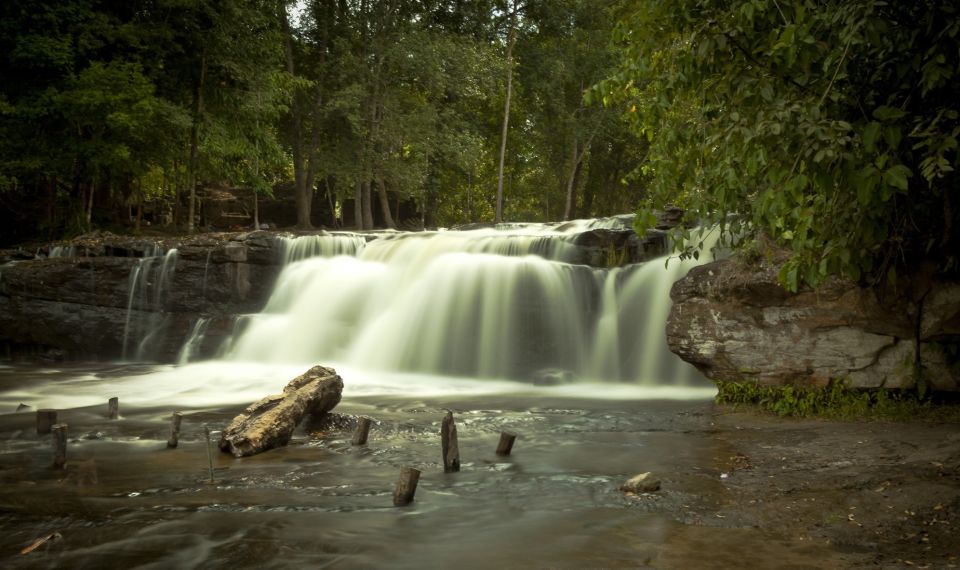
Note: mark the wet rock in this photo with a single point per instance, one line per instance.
(642, 483)
(270, 422)
(734, 322)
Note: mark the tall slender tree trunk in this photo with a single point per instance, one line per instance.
(358, 206)
(574, 165)
(88, 214)
(367, 206)
(195, 140)
(332, 201)
(302, 193)
(506, 114)
(385, 204)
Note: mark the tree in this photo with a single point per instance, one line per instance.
(831, 126)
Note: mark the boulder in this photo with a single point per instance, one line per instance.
(642, 483)
(270, 422)
(733, 321)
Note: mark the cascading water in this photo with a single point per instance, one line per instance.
(149, 279)
(470, 304)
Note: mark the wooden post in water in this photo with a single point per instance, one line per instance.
(363, 430)
(113, 408)
(45, 420)
(448, 444)
(206, 431)
(174, 430)
(506, 443)
(59, 445)
(406, 486)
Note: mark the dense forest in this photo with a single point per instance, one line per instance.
(428, 109)
(831, 127)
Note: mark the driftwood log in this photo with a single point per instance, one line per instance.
(270, 422)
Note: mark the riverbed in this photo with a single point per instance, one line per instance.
(738, 489)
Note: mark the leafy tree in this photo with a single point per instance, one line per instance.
(831, 126)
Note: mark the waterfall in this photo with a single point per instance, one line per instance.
(149, 279)
(501, 304)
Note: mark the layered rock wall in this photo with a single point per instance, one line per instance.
(80, 307)
(734, 322)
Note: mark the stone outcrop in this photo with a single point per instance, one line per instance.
(79, 306)
(270, 422)
(735, 323)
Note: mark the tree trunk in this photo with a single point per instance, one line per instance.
(88, 215)
(302, 193)
(358, 206)
(334, 221)
(367, 206)
(506, 116)
(385, 205)
(195, 139)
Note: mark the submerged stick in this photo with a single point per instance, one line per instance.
(406, 486)
(363, 430)
(113, 408)
(206, 431)
(41, 541)
(506, 443)
(45, 420)
(59, 445)
(448, 444)
(174, 430)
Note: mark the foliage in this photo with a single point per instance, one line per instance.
(836, 401)
(832, 126)
(110, 108)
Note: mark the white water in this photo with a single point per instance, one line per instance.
(412, 315)
(149, 280)
(471, 304)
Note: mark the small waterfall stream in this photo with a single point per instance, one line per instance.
(149, 280)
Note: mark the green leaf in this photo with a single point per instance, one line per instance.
(884, 113)
(870, 134)
(897, 176)
(892, 135)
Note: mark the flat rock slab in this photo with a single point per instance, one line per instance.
(270, 422)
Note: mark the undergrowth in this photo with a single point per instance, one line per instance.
(839, 402)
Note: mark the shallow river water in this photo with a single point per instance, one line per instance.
(126, 501)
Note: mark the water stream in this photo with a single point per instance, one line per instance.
(495, 325)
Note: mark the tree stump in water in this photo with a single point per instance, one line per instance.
(506, 443)
(449, 445)
(270, 422)
(406, 486)
(363, 430)
(175, 430)
(59, 445)
(113, 408)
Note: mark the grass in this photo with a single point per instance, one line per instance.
(839, 402)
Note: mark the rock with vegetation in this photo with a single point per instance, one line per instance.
(734, 321)
(270, 422)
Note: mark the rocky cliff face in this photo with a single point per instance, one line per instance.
(735, 323)
(81, 307)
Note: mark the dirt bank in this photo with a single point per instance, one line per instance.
(863, 495)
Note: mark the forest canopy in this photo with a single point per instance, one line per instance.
(830, 126)
(348, 108)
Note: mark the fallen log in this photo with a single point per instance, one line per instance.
(270, 422)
